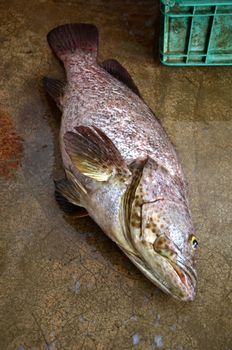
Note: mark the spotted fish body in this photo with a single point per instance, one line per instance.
(120, 166)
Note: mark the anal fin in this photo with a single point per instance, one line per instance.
(55, 88)
(119, 72)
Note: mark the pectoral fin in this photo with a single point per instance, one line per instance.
(94, 154)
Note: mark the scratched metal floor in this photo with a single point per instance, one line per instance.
(64, 285)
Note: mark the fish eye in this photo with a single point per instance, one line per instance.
(194, 242)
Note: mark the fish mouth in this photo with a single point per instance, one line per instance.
(188, 278)
(184, 288)
(180, 278)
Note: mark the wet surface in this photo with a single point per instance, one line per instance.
(64, 284)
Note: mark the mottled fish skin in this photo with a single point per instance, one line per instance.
(156, 231)
(94, 97)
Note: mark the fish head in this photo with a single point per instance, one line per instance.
(167, 229)
(162, 235)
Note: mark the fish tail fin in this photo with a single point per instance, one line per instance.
(70, 41)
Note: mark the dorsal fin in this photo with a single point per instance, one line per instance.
(119, 72)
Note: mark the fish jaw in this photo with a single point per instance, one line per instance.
(184, 266)
(172, 278)
(187, 275)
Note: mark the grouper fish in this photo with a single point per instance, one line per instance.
(120, 167)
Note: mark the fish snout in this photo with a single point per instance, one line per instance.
(185, 276)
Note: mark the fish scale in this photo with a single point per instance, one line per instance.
(121, 168)
(91, 106)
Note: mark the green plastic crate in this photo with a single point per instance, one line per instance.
(196, 32)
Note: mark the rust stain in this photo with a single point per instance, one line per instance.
(11, 147)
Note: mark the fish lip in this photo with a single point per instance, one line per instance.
(186, 274)
(190, 271)
(189, 294)
(190, 288)
(190, 278)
